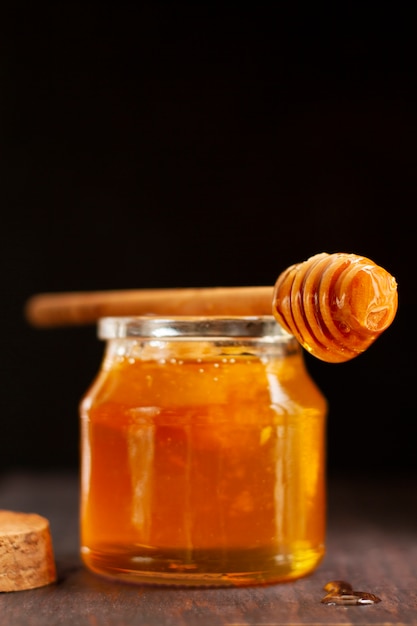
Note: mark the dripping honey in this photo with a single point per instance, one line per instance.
(203, 460)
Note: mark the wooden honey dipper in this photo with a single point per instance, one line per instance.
(336, 305)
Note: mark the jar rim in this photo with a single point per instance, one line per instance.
(263, 327)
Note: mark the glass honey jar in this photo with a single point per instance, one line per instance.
(202, 454)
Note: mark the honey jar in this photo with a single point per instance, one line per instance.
(202, 454)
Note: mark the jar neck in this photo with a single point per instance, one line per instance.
(147, 327)
(195, 337)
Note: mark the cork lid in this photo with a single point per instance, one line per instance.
(26, 551)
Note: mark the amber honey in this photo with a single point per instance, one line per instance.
(202, 454)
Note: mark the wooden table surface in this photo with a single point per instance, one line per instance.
(371, 543)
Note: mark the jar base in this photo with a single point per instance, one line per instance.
(204, 569)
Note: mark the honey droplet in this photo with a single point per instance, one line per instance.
(341, 593)
(338, 586)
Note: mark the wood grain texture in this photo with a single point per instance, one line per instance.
(372, 543)
(76, 308)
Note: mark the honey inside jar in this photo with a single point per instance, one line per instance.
(202, 454)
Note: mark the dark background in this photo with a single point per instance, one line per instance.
(153, 145)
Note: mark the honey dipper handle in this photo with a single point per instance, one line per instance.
(77, 308)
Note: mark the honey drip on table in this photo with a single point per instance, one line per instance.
(336, 305)
(339, 592)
